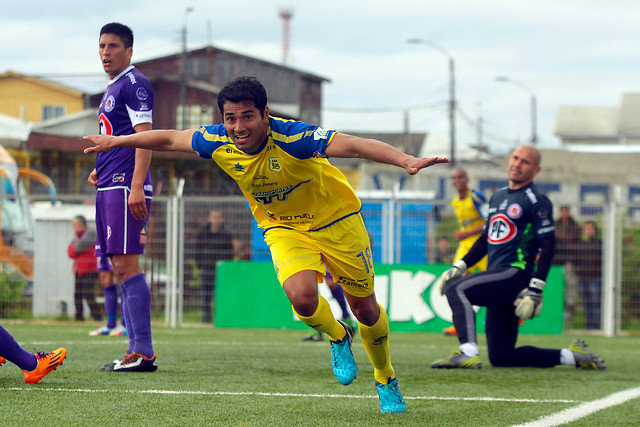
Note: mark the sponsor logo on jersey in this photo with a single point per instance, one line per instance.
(543, 213)
(318, 155)
(105, 125)
(274, 164)
(142, 94)
(118, 177)
(501, 229)
(280, 194)
(514, 211)
(531, 196)
(131, 77)
(108, 232)
(321, 133)
(296, 217)
(143, 236)
(110, 104)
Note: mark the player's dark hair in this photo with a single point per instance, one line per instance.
(120, 30)
(81, 219)
(241, 89)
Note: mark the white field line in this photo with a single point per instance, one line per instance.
(265, 394)
(584, 409)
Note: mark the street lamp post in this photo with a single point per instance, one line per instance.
(452, 96)
(533, 102)
(183, 74)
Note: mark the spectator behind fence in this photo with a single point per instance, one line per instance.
(589, 269)
(85, 268)
(567, 238)
(214, 244)
(241, 252)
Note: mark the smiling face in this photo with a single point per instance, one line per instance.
(245, 125)
(524, 165)
(114, 56)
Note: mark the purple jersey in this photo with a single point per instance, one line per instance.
(127, 102)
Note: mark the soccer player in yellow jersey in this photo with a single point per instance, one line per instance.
(307, 209)
(470, 208)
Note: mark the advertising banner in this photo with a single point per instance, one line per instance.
(248, 295)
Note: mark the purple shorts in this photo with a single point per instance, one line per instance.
(118, 231)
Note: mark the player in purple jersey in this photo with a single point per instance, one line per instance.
(519, 240)
(124, 193)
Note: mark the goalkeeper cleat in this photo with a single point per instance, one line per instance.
(585, 358)
(391, 399)
(450, 331)
(102, 330)
(118, 331)
(458, 360)
(2, 360)
(47, 362)
(136, 362)
(344, 365)
(315, 336)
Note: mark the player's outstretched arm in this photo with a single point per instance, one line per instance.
(158, 140)
(344, 145)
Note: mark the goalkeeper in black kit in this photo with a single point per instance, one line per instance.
(519, 239)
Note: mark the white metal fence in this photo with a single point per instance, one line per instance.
(179, 261)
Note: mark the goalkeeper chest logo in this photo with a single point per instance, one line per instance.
(501, 229)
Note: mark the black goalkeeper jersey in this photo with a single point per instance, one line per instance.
(518, 220)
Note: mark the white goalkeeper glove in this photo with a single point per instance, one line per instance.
(458, 270)
(528, 303)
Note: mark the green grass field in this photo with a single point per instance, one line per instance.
(250, 377)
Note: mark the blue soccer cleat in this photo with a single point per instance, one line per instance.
(344, 366)
(391, 399)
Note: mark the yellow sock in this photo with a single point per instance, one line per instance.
(376, 343)
(323, 321)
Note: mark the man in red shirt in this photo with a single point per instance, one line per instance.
(81, 250)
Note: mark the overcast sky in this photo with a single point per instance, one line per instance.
(566, 52)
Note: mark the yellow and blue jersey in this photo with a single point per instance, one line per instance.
(288, 181)
(470, 212)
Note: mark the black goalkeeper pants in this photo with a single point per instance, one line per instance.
(496, 290)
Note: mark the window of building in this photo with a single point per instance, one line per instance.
(53, 111)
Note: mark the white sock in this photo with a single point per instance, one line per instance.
(469, 349)
(566, 357)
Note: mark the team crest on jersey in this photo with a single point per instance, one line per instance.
(274, 164)
(514, 211)
(239, 167)
(110, 104)
(501, 229)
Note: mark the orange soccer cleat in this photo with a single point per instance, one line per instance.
(2, 360)
(451, 331)
(47, 362)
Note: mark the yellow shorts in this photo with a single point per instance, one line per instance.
(462, 251)
(344, 247)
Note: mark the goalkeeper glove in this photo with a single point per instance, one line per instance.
(458, 270)
(528, 303)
